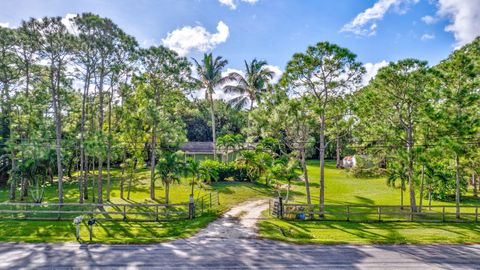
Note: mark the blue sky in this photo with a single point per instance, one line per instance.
(376, 30)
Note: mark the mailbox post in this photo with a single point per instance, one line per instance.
(91, 222)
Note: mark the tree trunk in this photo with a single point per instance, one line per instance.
(167, 191)
(152, 162)
(429, 198)
(193, 184)
(130, 182)
(411, 187)
(307, 182)
(402, 186)
(288, 192)
(13, 180)
(70, 166)
(109, 143)
(457, 186)
(337, 152)
(122, 180)
(58, 128)
(475, 185)
(322, 164)
(214, 137)
(100, 126)
(80, 185)
(85, 180)
(23, 188)
(422, 186)
(93, 179)
(305, 175)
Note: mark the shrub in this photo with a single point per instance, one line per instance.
(372, 172)
(218, 171)
(367, 167)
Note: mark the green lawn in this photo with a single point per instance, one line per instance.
(326, 232)
(230, 193)
(341, 188)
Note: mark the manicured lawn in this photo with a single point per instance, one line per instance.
(230, 193)
(341, 188)
(111, 232)
(325, 232)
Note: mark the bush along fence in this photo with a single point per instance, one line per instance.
(110, 211)
(372, 213)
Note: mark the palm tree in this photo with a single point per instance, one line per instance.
(210, 76)
(250, 87)
(169, 168)
(192, 168)
(286, 169)
(397, 171)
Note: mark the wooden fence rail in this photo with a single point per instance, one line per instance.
(207, 202)
(108, 211)
(373, 213)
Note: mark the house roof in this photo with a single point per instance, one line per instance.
(197, 147)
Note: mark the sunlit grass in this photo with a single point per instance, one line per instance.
(329, 232)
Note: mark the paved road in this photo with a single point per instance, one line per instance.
(230, 243)
(217, 253)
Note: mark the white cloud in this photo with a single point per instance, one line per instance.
(219, 93)
(465, 19)
(277, 73)
(228, 3)
(426, 37)
(429, 19)
(232, 4)
(197, 38)
(371, 70)
(69, 24)
(5, 24)
(364, 23)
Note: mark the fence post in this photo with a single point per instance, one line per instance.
(348, 213)
(191, 208)
(156, 213)
(379, 211)
(411, 213)
(58, 212)
(476, 214)
(210, 200)
(270, 207)
(443, 214)
(124, 212)
(280, 207)
(218, 198)
(202, 205)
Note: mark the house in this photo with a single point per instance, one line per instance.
(198, 150)
(204, 150)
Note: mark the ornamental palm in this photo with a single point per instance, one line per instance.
(169, 168)
(250, 87)
(210, 76)
(192, 168)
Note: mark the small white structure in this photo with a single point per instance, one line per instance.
(77, 221)
(349, 162)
